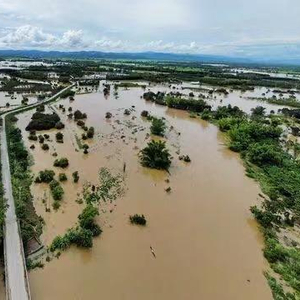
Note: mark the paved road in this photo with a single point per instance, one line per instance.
(17, 285)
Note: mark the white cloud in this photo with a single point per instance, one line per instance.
(72, 38)
(110, 45)
(30, 36)
(27, 36)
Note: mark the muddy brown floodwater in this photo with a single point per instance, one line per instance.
(206, 242)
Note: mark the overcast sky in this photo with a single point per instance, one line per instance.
(226, 27)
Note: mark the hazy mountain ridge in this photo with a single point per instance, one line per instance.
(38, 54)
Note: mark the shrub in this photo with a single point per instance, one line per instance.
(32, 137)
(75, 176)
(61, 163)
(274, 251)
(45, 147)
(79, 115)
(59, 137)
(144, 113)
(87, 219)
(158, 126)
(138, 219)
(227, 112)
(41, 139)
(46, 176)
(262, 154)
(62, 177)
(81, 237)
(206, 114)
(90, 133)
(80, 123)
(56, 190)
(155, 155)
(56, 205)
(226, 124)
(248, 132)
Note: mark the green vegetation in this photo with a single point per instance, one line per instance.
(45, 176)
(62, 177)
(277, 290)
(78, 115)
(61, 163)
(138, 219)
(78, 236)
(67, 93)
(186, 104)
(30, 223)
(59, 137)
(45, 147)
(40, 121)
(56, 190)
(87, 220)
(291, 101)
(87, 228)
(75, 176)
(3, 207)
(158, 126)
(90, 132)
(155, 155)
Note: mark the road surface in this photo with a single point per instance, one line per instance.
(17, 285)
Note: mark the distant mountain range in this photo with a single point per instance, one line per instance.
(158, 56)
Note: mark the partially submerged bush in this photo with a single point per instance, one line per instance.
(78, 115)
(59, 137)
(56, 190)
(45, 147)
(185, 158)
(87, 219)
(41, 139)
(82, 235)
(158, 127)
(61, 163)
(90, 133)
(138, 219)
(80, 123)
(75, 176)
(144, 113)
(45, 176)
(32, 137)
(62, 177)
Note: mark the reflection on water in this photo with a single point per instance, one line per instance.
(206, 244)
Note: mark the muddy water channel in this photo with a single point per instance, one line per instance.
(206, 242)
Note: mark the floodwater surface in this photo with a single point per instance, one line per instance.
(206, 242)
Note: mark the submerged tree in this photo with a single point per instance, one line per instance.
(155, 155)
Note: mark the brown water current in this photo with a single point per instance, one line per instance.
(206, 242)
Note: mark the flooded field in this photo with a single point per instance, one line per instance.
(14, 100)
(206, 242)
